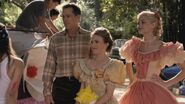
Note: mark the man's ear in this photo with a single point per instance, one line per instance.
(78, 17)
(107, 44)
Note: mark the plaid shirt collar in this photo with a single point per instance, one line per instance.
(80, 30)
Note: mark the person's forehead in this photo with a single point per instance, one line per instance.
(54, 2)
(68, 10)
(143, 18)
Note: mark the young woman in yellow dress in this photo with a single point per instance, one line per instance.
(99, 71)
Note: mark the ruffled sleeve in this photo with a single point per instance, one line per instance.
(128, 49)
(172, 53)
(81, 72)
(115, 73)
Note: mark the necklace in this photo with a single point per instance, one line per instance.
(148, 47)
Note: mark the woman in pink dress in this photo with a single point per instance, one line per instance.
(150, 55)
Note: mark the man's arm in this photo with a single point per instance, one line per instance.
(49, 69)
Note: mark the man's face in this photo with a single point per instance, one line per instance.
(70, 20)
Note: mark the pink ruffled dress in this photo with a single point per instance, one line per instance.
(143, 90)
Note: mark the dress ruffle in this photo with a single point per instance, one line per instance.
(146, 92)
(128, 49)
(143, 90)
(170, 51)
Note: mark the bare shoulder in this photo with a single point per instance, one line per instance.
(16, 66)
(18, 61)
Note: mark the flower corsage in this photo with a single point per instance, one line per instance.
(86, 96)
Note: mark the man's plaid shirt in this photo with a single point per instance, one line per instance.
(63, 52)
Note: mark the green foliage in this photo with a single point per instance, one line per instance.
(120, 15)
(88, 15)
(9, 12)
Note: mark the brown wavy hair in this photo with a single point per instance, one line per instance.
(106, 35)
(5, 42)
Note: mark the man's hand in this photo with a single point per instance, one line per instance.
(49, 99)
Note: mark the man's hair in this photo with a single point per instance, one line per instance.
(59, 1)
(54, 12)
(76, 9)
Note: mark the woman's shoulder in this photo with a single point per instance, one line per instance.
(16, 60)
(81, 61)
(131, 43)
(135, 40)
(15, 64)
(115, 72)
(171, 44)
(171, 47)
(115, 64)
(81, 64)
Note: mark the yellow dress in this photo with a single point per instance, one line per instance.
(113, 73)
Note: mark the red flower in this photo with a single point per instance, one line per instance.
(31, 71)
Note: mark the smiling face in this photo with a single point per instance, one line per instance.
(98, 46)
(70, 20)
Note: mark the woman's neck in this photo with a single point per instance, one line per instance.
(100, 57)
(149, 38)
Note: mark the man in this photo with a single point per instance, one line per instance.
(36, 15)
(65, 48)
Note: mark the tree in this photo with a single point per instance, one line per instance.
(120, 16)
(9, 15)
